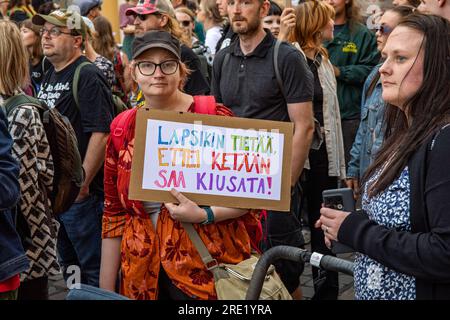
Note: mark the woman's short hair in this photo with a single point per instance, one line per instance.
(14, 69)
(275, 9)
(312, 17)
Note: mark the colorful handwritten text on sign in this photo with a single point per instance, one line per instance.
(213, 160)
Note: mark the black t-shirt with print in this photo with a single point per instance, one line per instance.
(95, 112)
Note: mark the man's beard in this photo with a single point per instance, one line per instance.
(250, 28)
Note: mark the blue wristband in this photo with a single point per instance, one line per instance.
(210, 215)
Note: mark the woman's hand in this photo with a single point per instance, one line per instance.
(287, 23)
(186, 211)
(330, 222)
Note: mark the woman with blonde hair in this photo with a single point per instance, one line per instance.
(31, 149)
(210, 16)
(146, 240)
(186, 18)
(307, 26)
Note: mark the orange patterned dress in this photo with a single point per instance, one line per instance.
(144, 251)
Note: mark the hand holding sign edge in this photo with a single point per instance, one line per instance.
(186, 210)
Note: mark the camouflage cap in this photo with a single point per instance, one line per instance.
(63, 18)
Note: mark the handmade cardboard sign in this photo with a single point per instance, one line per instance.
(212, 160)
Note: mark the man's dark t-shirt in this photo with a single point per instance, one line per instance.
(196, 83)
(95, 112)
(247, 84)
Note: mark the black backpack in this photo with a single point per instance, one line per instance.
(205, 60)
(69, 173)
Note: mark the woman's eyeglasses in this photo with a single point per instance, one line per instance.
(383, 29)
(185, 23)
(148, 68)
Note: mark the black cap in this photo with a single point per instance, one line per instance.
(156, 39)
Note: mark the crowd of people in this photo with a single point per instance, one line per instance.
(370, 109)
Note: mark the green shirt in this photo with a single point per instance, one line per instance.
(355, 54)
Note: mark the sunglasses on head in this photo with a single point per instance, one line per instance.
(383, 29)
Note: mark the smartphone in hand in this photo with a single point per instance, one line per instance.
(339, 199)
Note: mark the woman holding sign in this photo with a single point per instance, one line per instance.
(145, 239)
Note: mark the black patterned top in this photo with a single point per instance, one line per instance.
(107, 69)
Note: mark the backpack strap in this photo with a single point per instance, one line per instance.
(76, 79)
(225, 61)
(19, 100)
(205, 105)
(276, 50)
(118, 128)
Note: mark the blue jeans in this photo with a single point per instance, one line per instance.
(79, 239)
(91, 293)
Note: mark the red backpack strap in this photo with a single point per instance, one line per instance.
(118, 128)
(205, 104)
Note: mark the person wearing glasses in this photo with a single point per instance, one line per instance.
(144, 239)
(79, 238)
(369, 136)
(186, 18)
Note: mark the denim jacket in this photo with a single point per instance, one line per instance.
(12, 256)
(370, 132)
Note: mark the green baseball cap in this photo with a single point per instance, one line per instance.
(63, 18)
